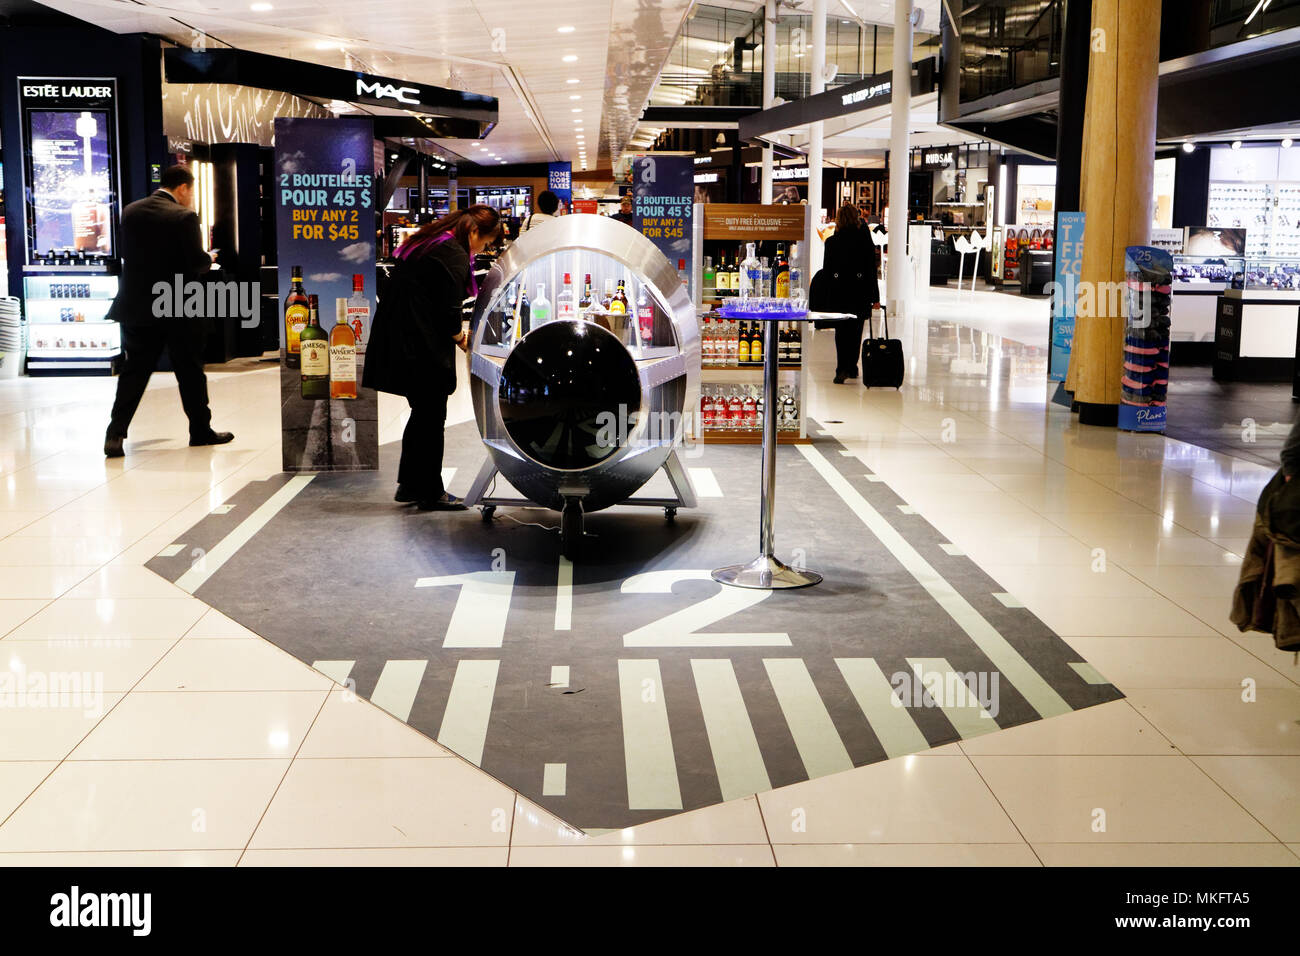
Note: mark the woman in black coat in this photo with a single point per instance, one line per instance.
(414, 337)
(850, 262)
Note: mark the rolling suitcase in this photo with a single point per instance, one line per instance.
(882, 359)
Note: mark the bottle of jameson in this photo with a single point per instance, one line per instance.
(315, 350)
(295, 318)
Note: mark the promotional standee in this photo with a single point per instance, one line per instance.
(1148, 273)
(1069, 264)
(559, 180)
(325, 195)
(663, 196)
(71, 185)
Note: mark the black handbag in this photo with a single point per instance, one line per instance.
(821, 298)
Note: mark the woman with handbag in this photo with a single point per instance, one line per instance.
(850, 265)
(417, 329)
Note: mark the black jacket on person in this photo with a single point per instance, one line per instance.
(412, 351)
(850, 264)
(161, 239)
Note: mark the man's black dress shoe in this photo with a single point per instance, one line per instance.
(214, 438)
(113, 448)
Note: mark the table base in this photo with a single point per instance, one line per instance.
(766, 573)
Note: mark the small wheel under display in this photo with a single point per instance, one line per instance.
(488, 511)
(571, 530)
(670, 513)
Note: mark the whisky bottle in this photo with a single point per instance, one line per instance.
(314, 347)
(781, 274)
(756, 343)
(618, 303)
(742, 355)
(584, 304)
(343, 354)
(295, 318)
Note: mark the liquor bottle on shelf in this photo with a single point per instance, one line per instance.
(584, 304)
(564, 301)
(781, 275)
(314, 350)
(541, 306)
(608, 296)
(296, 313)
(756, 343)
(749, 409)
(742, 343)
(343, 354)
(733, 343)
(735, 410)
(710, 275)
(764, 277)
(782, 344)
(797, 292)
(359, 311)
(721, 277)
(750, 275)
(706, 341)
(683, 274)
(618, 304)
(796, 343)
(645, 316)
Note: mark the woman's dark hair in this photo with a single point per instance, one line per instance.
(849, 218)
(459, 222)
(547, 202)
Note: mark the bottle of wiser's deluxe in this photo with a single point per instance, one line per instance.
(343, 354)
(296, 307)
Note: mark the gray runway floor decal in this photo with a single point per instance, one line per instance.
(629, 686)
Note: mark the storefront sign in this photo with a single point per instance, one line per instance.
(325, 193)
(866, 94)
(706, 177)
(559, 180)
(1069, 265)
(376, 89)
(937, 160)
(790, 172)
(745, 223)
(663, 201)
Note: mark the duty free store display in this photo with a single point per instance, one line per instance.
(11, 338)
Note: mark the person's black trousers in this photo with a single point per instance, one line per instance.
(142, 345)
(420, 470)
(848, 347)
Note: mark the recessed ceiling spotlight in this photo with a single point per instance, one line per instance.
(575, 96)
(1286, 143)
(571, 58)
(260, 7)
(571, 80)
(564, 29)
(1236, 144)
(576, 109)
(1188, 147)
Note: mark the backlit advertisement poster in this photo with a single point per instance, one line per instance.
(1069, 265)
(559, 180)
(325, 193)
(70, 167)
(663, 194)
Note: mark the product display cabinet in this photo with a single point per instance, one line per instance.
(580, 405)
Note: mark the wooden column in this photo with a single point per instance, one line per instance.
(1119, 140)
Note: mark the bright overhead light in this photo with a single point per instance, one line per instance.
(575, 96)
(571, 58)
(500, 160)
(1236, 144)
(572, 80)
(564, 29)
(1188, 147)
(325, 44)
(576, 109)
(1286, 143)
(260, 7)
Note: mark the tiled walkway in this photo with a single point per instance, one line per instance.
(200, 743)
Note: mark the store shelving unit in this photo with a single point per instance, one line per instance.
(67, 325)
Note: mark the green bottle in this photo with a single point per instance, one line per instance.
(314, 349)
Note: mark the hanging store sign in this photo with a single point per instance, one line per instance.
(325, 192)
(748, 223)
(559, 180)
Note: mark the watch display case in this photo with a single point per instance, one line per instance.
(582, 397)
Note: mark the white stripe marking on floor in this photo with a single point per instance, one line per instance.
(952, 549)
(873, 478)
(482, 606)
(815, 737)
(705, 482)
(950, 692)
(227, 547)
(397, 686)
(469, 707)
(554, 779)
(907, 509)
(736, 756)
(336, 671)
(1014, 668)
(890, 722)
(560, 675)
(564, 595)
(647, 741)
(1008, 600)
(171, 551)
(1088, 673)
(223, 509)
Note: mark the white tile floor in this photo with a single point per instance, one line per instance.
(194, 742)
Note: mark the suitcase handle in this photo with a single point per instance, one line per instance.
(871, 322)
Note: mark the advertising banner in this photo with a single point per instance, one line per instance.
(663, 191)
(1144, 381)
(325, 193)
(559, 180)
(1069, 264)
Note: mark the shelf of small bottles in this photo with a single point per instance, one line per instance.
(749, 366)
(751, 436)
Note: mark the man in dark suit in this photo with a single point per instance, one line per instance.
(161, 243)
